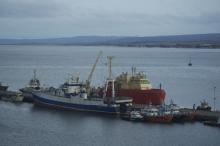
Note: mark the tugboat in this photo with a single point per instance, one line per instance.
(137, 86)
(204, 106)
(34, 85)
(153, 114)
(203, 112)
(3, 88)
(10, 96)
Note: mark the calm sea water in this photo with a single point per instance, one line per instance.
(25, 124)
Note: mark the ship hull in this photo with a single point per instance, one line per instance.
(42, 99)
(159, 119)
(27, 93)
(151, 96)
(183, 118)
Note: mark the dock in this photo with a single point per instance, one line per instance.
(202, 115)
(202, 112)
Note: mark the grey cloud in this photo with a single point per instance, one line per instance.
(29, 8)
(53, 18)
(210, 18)
(207, 19)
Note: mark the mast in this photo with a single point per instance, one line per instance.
(110, 79)
(110, 66)
(34, 74)
(133, 70)
(214, 97)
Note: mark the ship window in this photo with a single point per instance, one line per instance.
(143, 81)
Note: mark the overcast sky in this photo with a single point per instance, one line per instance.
(64, 18)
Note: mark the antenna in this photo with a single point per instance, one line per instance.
(110, 66)
(34, 73)
(133, 69)
(214, 97)
(160, 85)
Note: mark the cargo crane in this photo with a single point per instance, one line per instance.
(88, 81)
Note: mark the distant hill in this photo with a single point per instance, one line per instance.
(185, 41)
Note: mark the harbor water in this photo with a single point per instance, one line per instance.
(26, 124)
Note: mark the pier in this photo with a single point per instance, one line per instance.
(202, 112)
(202, 115)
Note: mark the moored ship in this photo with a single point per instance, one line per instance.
(33, 85)
(155, 115)
(137, 86)
(74, 97)
(3, 87)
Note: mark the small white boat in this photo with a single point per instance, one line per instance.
(133, 116)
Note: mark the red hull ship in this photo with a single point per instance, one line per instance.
(137, 86)
(159, 119)
(153, 114)
(151, 96)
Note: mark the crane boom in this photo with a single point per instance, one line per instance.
(88, 81)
